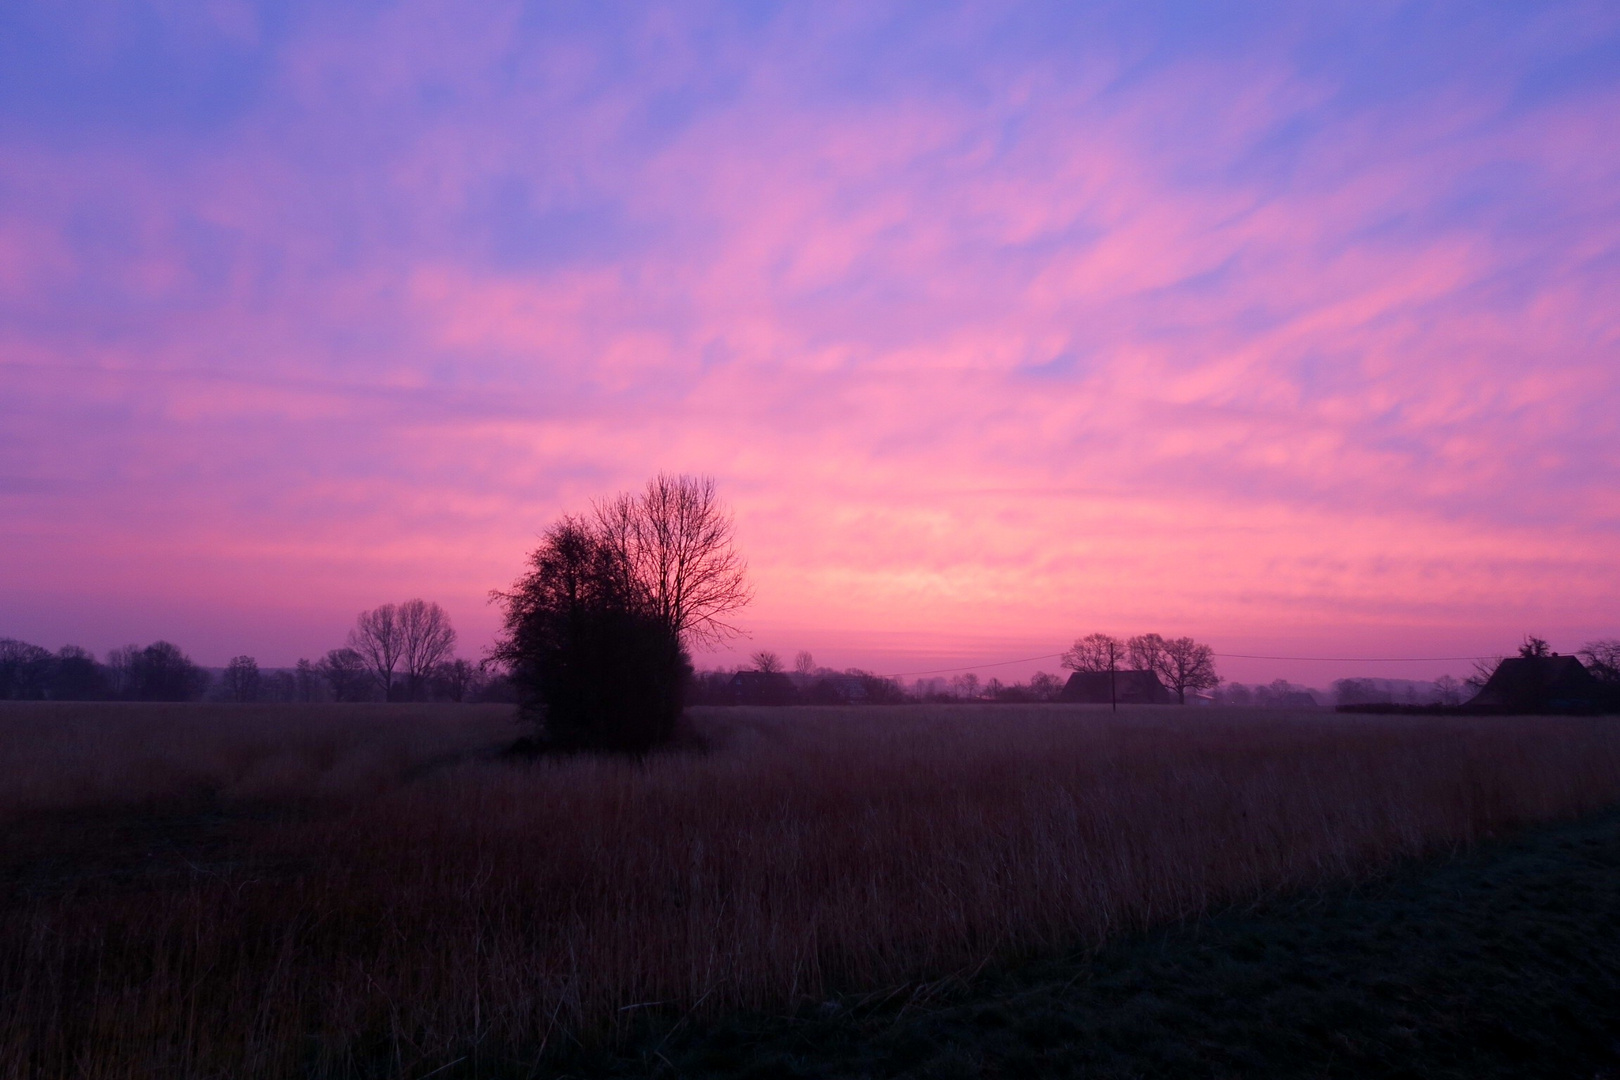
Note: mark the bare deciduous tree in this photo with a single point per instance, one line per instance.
(1186, 665)
(1045, 687)
(426, 640)
(1484, 668)
(377, 638)
(1095, 652)
(308, 681)
(456, 678)
(804, 664)
(241, 683)
(1146, 652)
(1602, 659)
(766, 661)
(347, 673)
(676, 538)
(1098, 652)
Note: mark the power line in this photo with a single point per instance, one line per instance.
(974, 667)
(1356, 659)
(1226, 656)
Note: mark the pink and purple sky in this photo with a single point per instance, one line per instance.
(1292, 327)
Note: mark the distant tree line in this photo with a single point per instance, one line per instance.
(396, 652)
(158, 672)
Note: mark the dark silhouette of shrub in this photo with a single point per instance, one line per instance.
(595, 664)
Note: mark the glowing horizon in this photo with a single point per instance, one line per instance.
(1295, 333)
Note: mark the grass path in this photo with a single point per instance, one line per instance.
(1501, 963)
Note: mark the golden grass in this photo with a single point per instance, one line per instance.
(365, 890)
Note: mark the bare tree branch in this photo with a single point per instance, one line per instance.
(376, 637)
(677, 539)
(426, 640)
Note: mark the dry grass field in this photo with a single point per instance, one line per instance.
(269, 891)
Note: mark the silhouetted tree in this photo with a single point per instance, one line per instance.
(767, 662)
(345, 671)
(1146, 652)
(675, 539)
(241, 681)
(75, 676)
(1484, 668)
(1602, 659)
(804, 665)
(161, 672)
(120, 670)
(1448, 691)
(1183, 664)
(455, 679)
(25, 670)
(426, 640)
(1045, 687)
(592, 647)
(307, 681)
(1358, 692)
(1098, 652)
(378, 639)
(1533, 647)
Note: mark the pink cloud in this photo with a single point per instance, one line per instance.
(976, 373)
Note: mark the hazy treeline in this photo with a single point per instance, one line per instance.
(854, 686)
(158, 672)
(396, 652)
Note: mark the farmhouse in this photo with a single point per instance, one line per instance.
(1129, 688)
(761, 688)
(1532, 684)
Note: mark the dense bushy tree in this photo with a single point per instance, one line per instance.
(596, 631)
(596, 659)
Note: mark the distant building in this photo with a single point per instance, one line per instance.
(1532, 684)
(838, 690)
(1128, 688)
(762, 688)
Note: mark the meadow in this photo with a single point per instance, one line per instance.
(371, 890)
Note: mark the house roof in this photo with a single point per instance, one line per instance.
(1530, 683)
(1129, 687)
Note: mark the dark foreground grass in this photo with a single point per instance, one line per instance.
(1501, 963)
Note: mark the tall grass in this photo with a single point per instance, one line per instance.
(367, 891)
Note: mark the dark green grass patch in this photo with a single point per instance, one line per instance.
(1501, 963)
